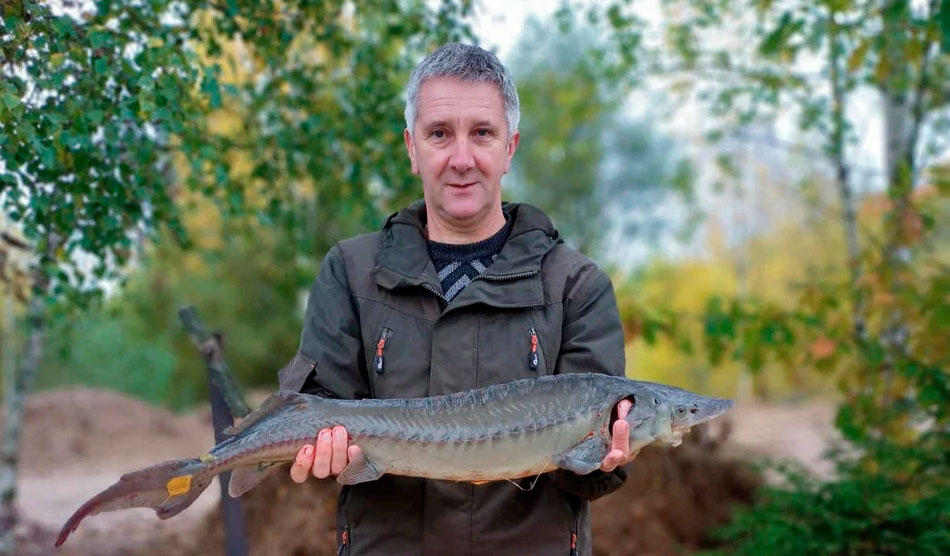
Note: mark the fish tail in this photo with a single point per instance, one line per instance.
(168, 488)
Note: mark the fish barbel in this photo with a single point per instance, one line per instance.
(500, 432)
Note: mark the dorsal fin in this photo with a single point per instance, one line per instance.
(276, 401)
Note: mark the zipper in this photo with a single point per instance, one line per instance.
(489, 277)
(344, 542)
(533, 359)
(378, 362)
(574, 522)
(426, 285)
(503, 277)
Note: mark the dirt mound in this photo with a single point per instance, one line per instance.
(83, 428)
(673, 498)
(77, 442)
(282, 518)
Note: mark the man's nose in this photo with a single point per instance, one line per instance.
(462, 158)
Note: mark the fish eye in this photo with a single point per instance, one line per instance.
(680, 410)
(656, 401)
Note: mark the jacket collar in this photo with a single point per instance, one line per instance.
(513, 280)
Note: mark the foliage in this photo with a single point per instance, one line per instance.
(580, 159)
(307, 122)
(863, 512)
(289, 109)
(874, 328)
(87, 111)
(278, 141)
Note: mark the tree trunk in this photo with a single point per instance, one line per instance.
(904, 90)
(849, 220)
(218, 371)
(227, 402)
(24, 376)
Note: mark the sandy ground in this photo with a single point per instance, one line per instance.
(799, 433)
(78, 442)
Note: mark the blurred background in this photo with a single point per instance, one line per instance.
(766, 183)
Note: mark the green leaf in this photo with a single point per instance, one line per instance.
(10, 101)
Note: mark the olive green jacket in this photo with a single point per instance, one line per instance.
(377, 326)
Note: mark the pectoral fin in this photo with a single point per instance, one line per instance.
(247, 477)
(584, 458)
(359, 470)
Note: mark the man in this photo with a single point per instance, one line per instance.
(457, 292)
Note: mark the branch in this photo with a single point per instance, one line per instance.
(211, 350)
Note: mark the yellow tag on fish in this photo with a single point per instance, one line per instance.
(207, 458)
(178, 485)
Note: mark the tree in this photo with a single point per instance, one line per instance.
(581, 159)
(892, 366)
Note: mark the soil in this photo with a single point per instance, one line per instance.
(77, 442)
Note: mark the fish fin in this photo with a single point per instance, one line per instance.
(246, 477)
(167, 488)
(359, 470)
(585, 457)
(277, 400)
(479, 483)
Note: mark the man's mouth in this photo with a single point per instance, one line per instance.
(462, 185)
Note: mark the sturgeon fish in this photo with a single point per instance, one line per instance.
(502, 432)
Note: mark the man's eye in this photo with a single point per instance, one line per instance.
(483, 132)
(438, 134)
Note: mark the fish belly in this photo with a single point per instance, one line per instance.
(520, 453)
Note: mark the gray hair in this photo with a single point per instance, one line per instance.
(465, 63)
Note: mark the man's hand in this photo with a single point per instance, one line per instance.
(619, 453)
(327, 456)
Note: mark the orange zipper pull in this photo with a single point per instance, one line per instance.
(533, 359)
(378, 360)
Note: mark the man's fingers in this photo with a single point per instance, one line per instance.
(621, 437)
(321, 458)
(300, 470)
(354, 453)
(623, 408)
(612, 460)
(338, 459)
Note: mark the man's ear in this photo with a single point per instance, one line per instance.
(512, 145)
(410, 149)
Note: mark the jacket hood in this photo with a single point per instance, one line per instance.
(403, 258)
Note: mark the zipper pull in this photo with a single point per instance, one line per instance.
(344, 541)
(378, 363)
(533, 359)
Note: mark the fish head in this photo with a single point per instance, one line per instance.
(685, 410)
(652, 425)
(691, 409)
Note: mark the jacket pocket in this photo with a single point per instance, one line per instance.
(510, 346)
(397, 354)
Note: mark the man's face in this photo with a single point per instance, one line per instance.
(461, 149)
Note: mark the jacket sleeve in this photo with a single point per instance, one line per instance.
(591, 342)
(330, 361)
